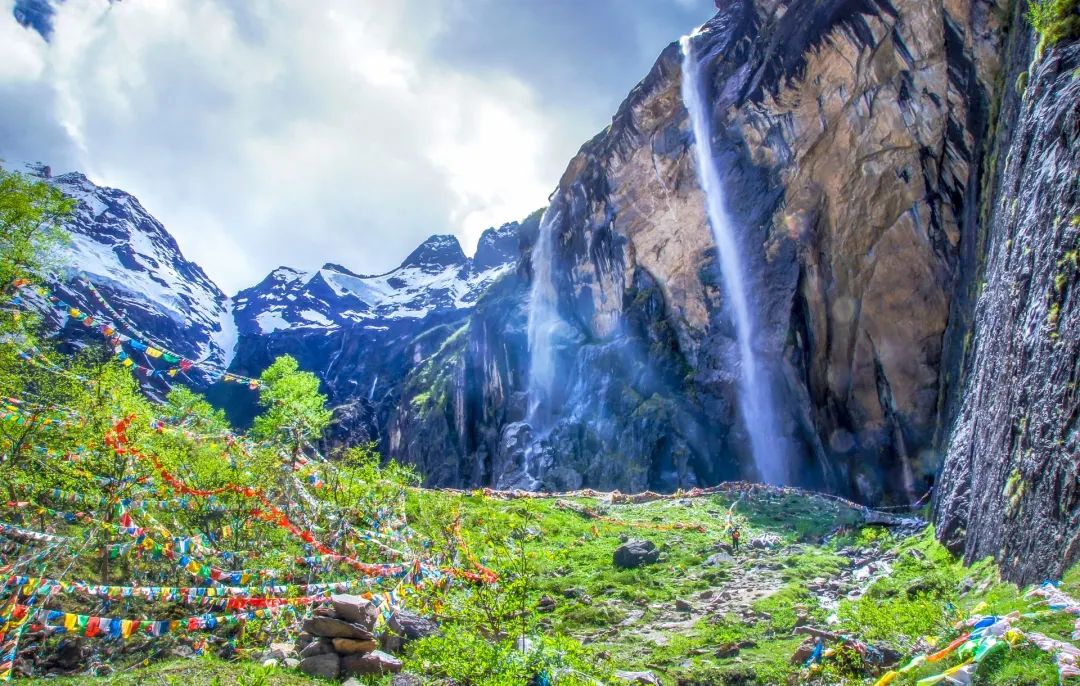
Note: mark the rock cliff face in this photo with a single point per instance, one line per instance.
(850, 136)
(1010, 485)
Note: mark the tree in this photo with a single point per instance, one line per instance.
(295, 409)
(31, 215)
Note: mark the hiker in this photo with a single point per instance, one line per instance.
(735, 536)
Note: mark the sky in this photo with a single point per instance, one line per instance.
(298, 132)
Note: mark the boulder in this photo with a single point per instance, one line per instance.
(355, 610)
(645, 678)
(720, 558)
(410, 625)
(636, 553)
(349, 646)
(327, 665)
(375, 662)
(329, 627)
(319, 646)
(406, 680)
(683, 605)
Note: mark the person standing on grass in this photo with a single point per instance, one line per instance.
(735, 536)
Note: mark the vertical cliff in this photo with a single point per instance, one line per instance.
(852, 138)
(1010, 486)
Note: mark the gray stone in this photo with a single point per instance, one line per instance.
(720, 558)
(327, 665)
(376, 662)
(636, 553)
(355, 610)
(683, 606)
(406, 680)
(328, 627)
(410, 625)
(291, 662)
(319, 646)
(645, 678)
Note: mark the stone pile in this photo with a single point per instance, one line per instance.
(340, 641)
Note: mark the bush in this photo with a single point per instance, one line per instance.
(1055, 20)
(472, 660)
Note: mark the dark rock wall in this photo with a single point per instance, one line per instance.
(1009, 487)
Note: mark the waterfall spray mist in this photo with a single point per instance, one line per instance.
(755, 395)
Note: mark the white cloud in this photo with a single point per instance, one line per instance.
(264, 133)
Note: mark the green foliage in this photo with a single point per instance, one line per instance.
(471, 659)
(1054, 21)
(295, 409)
(31, 212)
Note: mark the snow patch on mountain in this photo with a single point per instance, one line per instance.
(117, 246)
(436, 278)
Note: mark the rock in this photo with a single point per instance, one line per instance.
(352, 681)
(635, 553)
(355, 610)
(319, 646)
(328, 627)
(546, 604)
(269, 662)
(803, 652)
(524, 644)
(410, 625)
(326, 665)
(728, 650)
(376, 662)
(720, 558)
(683, 606)
(280, 651)
(645, 678)
(406, 680)
(303, 639)
(349, 646)
(291, 662)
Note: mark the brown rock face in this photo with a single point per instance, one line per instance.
(849, 137)
(348, 646)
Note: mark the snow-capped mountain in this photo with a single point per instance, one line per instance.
(360, 334)
(129, 257)
(437, 278)
(363, 334)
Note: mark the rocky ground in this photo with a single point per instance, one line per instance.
(651, 592)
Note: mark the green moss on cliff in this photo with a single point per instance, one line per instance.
(1055, 21)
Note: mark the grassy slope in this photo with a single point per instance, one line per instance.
(627, 618)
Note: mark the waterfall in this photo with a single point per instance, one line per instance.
(755, 395)
(543, 321)
(371, 395)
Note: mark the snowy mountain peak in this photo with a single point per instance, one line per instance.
(117, 246)
(437, 251)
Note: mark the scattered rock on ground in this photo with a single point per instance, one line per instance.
(636, 553)
(645, 678)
